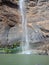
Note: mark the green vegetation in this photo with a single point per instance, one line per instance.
(14, 48)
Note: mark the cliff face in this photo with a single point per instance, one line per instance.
(9, 17)
(10, 21)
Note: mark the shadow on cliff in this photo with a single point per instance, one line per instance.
(9, 3)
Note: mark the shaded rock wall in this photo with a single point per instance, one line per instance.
(9, 17)
(10, 21)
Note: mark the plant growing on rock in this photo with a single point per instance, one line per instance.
(12, 48)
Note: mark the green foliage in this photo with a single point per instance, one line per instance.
(1, 48)
(8, 50)
(12, 48)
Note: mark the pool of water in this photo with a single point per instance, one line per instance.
(23, 59)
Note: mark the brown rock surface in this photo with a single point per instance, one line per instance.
(37, 16)
(9, 17)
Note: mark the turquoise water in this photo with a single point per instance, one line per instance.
(23, 59)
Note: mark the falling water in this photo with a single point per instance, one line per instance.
(25, 42)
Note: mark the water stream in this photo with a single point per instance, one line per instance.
(25, 41)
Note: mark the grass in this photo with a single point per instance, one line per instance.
(23, 59)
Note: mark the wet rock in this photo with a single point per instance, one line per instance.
(15, 34)
(3, 33)
(9, 17)
(9, 21)
(35, 35)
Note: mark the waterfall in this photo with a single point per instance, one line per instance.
(25, 41)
